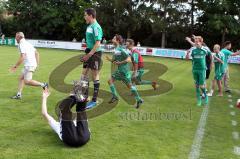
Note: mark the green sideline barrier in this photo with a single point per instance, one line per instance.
(8, 41)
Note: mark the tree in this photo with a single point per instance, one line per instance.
(2, 10)
(77, 22)
(122, 16)
(220, 17)
(47, 19)
(167, 14)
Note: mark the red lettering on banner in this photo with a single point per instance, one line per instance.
(149, 51)
(84, 46)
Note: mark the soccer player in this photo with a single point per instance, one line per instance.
(122, 59)
(92, 59)
(199, 68)
(73, 133)
(138, 66)
(226, 51)
(30, 57)
(208, 57)
(218, 57)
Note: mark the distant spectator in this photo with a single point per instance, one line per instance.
(3, 39)
(83, 40)
(104, 41)
(138, 44)
(74, 40)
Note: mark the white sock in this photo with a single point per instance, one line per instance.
(42, 84)
(19, 94)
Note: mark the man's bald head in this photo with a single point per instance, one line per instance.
(19, 36)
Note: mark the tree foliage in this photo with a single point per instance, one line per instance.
(152, 22)
(221, 17)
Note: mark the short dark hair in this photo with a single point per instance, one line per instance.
(226, 43)
(119, 38)
(131, 41)
(91, 11)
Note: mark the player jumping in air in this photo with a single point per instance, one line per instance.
(30, 57)
(218, 59)
(199, 68)
(138, 66)
(122, 59)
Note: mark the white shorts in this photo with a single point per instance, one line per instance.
(27, 72)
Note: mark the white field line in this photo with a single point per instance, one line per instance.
(234, 123)
(235, 135)
(236, 150)
(197, 142)
(232, 113)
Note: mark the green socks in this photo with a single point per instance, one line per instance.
(204, 91)
(113, 90)
(199, 100)
(198, 93)
(135, 92)
(205, 94)
(143, 82)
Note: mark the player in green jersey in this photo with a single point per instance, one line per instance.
(199, 67)
(226, 51)
(92, 60)
(122, 59)
(138, 66)
(219, 70)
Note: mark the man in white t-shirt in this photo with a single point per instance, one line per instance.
(30, 57)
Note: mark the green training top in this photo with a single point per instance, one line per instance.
(219, 67)
(121, 54)
(198, 58)
(135, 57)
(93, 33)
(226, 53)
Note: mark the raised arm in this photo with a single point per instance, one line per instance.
(188, 54)
(45, 95)
(235, 53)
(190, 41)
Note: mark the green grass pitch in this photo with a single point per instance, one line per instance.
(115, 134)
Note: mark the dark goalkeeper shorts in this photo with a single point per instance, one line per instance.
(94, 62)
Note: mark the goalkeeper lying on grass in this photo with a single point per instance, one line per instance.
(73, 132)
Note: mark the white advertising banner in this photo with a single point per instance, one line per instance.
(56, 44)
(234, 59)
(171, 53)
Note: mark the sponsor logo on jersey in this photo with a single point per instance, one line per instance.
(198, 57)
(117, 52)
(89, 30)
